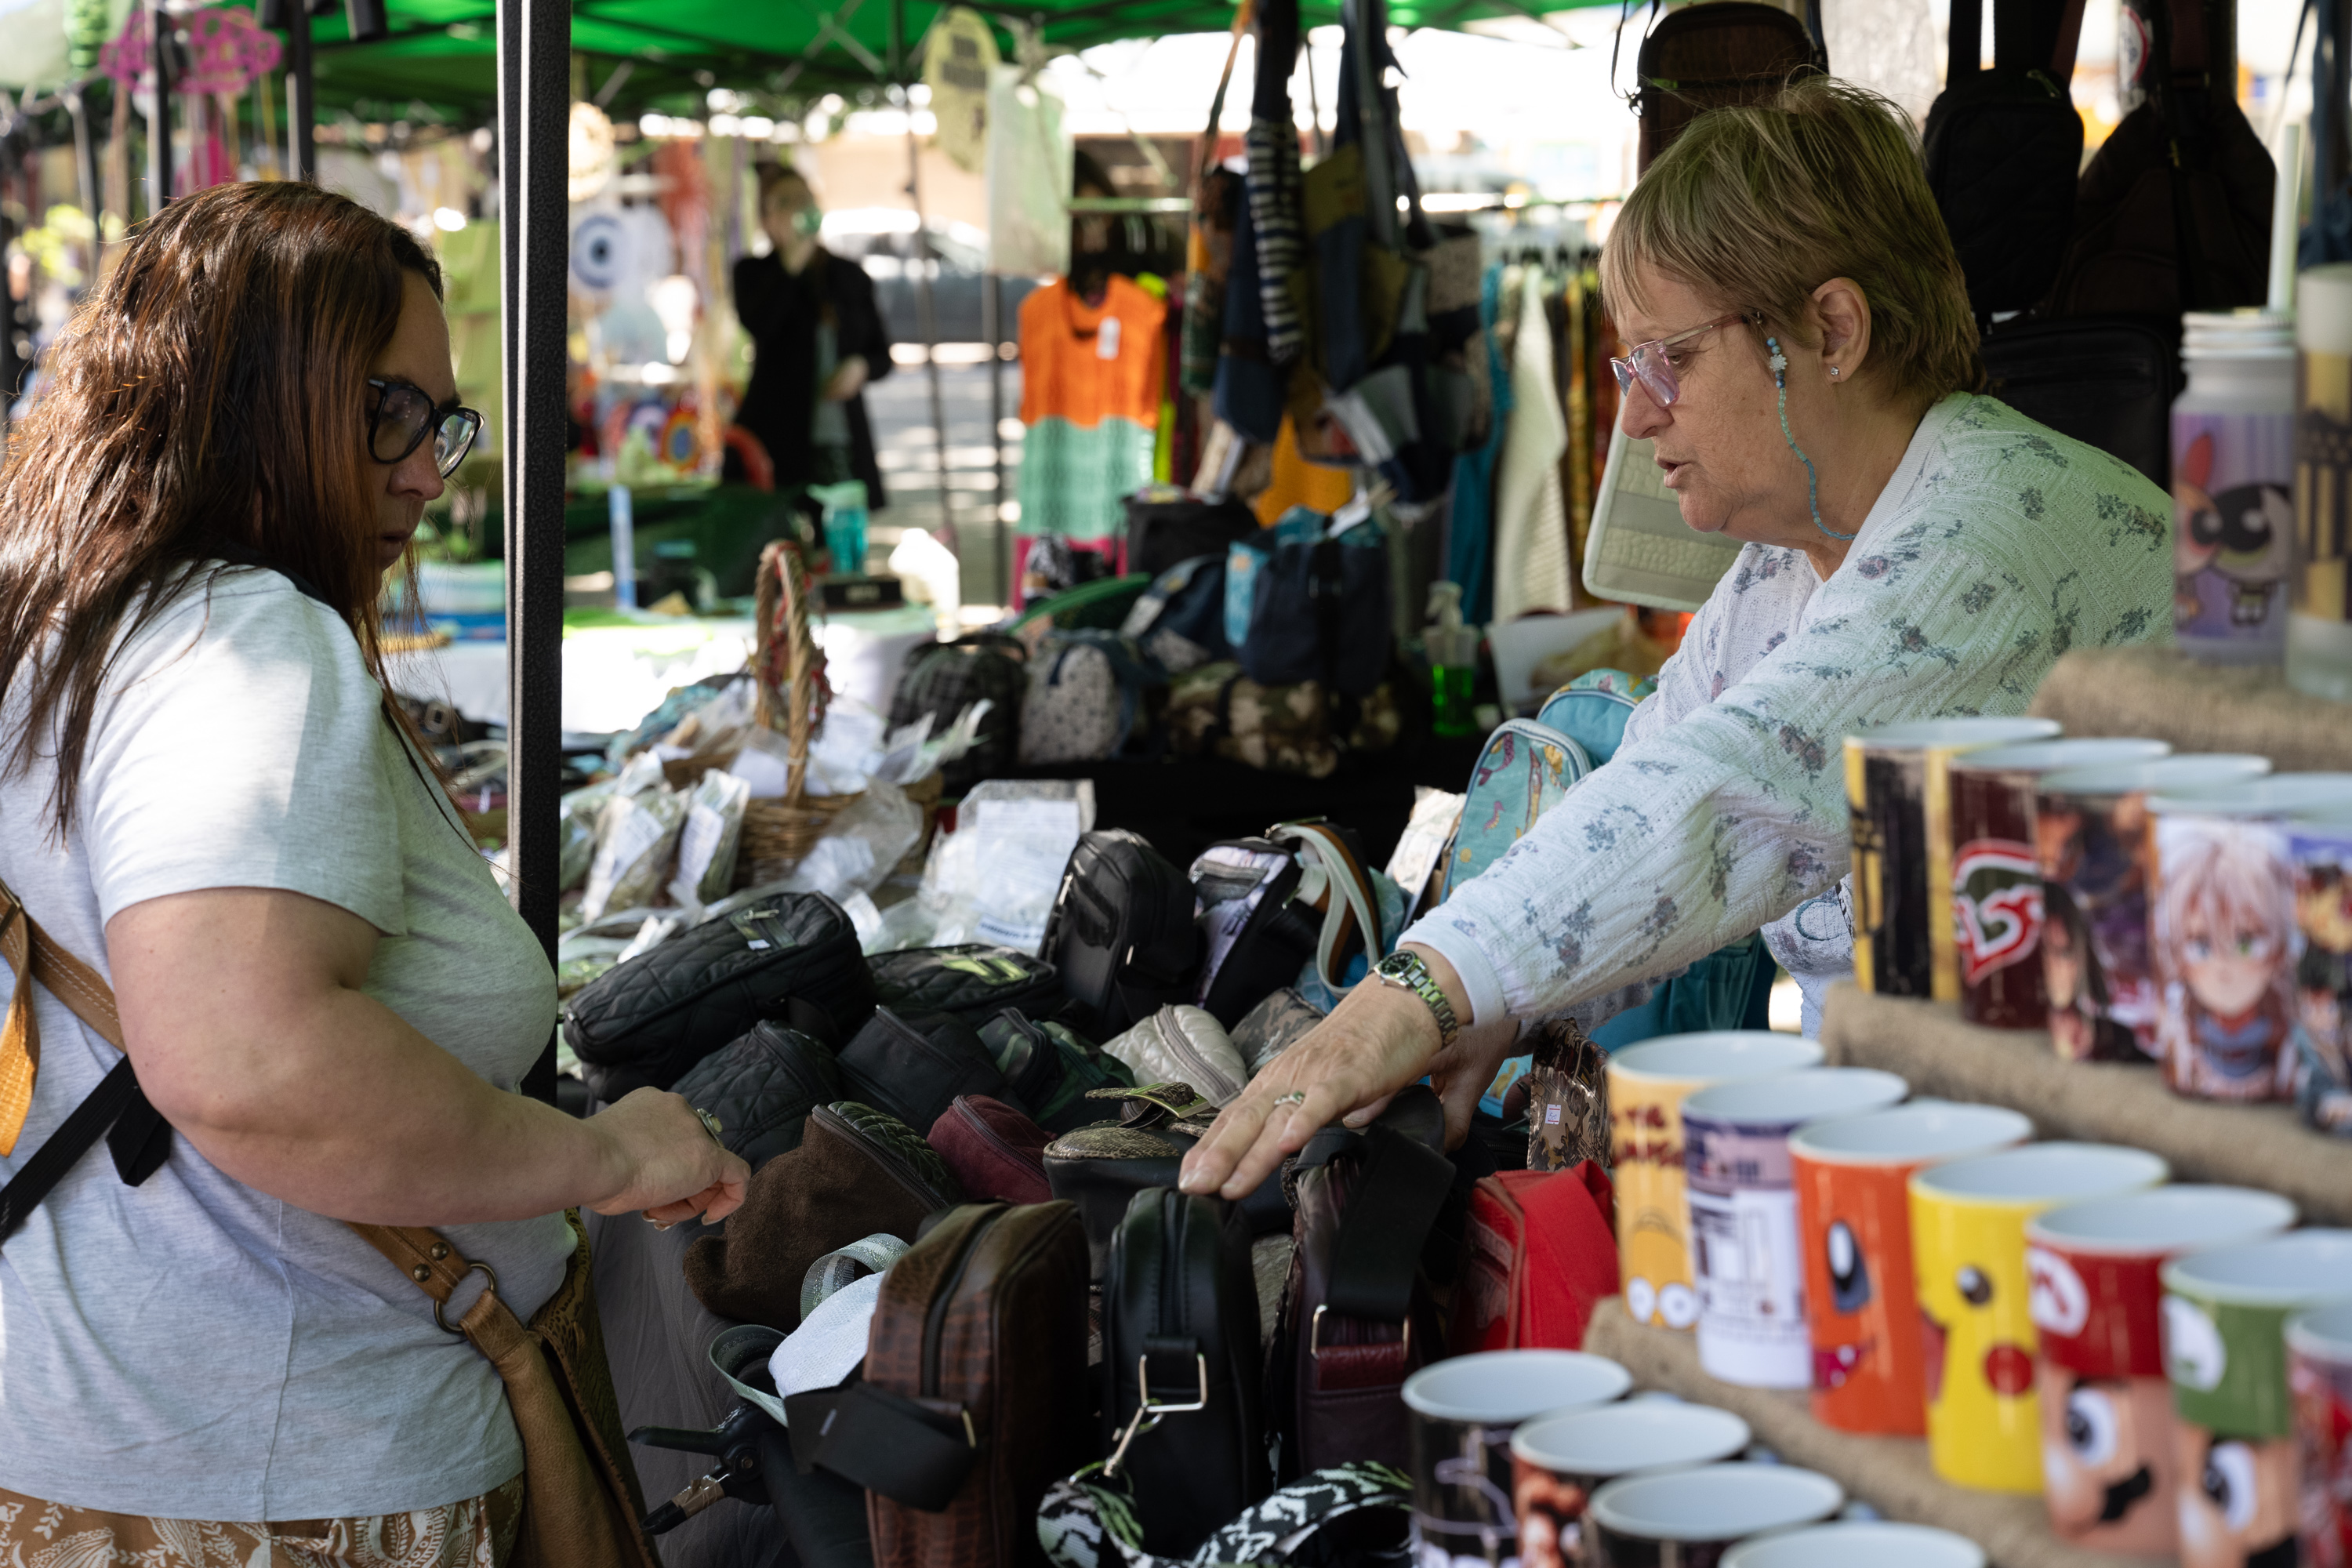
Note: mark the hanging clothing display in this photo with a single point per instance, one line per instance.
(1091, 388)
(1297, 482)
(1531, 560)
(1469, 534)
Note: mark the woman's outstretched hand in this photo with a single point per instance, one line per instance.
(669, 1164)
(1380, 1039)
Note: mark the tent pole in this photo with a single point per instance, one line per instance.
(159, 112)
(992, 299)
(902, 68)
(301, 95)
(534, 121)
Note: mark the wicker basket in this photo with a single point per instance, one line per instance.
(789, 668)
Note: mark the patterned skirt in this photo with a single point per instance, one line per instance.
(479, 1532)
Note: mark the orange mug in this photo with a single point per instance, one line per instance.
(1854, 1225)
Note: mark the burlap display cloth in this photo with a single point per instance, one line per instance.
(2160, 692)
(1890, 1474)
(2100, 1103)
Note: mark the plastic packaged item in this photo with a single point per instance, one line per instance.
(709, 838)
(2232, 483)
(636, 836)
(1452, 650)
(2319, 621)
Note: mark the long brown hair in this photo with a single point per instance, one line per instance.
(210, 391)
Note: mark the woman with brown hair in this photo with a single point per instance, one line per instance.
(206, 796)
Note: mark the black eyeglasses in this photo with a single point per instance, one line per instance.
(404, 415)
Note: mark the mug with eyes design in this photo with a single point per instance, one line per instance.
(2109, 1467)
(1967, 1245)
(2225, 1313)
(1853, 1226)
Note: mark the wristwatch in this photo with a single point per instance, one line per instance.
(1406, 972)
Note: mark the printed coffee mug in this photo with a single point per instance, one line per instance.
(1968, 1244)
(1996, 886)
(1558, 1462)
(2221, 928)
(1853, 1220)
(2225, 1315)
(1898, 787)
(2107, 1461)
(1745, 1255)
(1647, 1086)
(1463, 1413)
(2319, 1377)
(2090, 830)
(1858, 1543)
(2320, 846)
(1689, 1519)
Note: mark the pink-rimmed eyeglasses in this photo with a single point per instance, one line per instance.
(1650, 363)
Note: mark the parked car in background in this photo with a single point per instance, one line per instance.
(883, 241)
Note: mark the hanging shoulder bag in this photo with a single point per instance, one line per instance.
(581, 1501)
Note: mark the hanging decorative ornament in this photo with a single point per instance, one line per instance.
(591, 163)
(228, 50)
(126, 58)
(958, 56)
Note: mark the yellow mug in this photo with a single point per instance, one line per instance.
(1647, 1086)
(1969, 1255)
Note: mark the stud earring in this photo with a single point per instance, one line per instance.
(1834, 370)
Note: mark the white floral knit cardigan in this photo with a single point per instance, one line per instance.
(1997, 545)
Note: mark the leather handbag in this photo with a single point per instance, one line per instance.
(762, 1088)
(1272, 1027)
(580, 1499)
(914, 1065)
(1273, 904)
(994, 1152)
(1357, 1316)
(1180, 1367)
(858, 1171)
(975, 1370)
(1051, 1069)
(1182, 1044)
(973, 980)
(793, 957)
(1100, 1168)
(1121, 932)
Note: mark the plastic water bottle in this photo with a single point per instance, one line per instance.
(1452, 650)
(2319, 627)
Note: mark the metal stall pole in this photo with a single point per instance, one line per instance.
(534, 118)
(901, 71)
(992, 299)
(301, 95)
(159, 112)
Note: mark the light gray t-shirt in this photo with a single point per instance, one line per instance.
(192, 1348)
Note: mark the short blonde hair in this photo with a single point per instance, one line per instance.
(1761, 204)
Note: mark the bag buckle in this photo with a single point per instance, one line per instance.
(1315, 1333)
(1148, 1413)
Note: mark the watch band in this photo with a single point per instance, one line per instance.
(1406, 972)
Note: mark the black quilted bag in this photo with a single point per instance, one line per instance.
(974, 981)
(762, 1088)
(793, 957)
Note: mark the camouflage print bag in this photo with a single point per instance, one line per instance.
(1216, 710)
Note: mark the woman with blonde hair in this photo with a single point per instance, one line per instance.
(207, 798)
(1803, 361)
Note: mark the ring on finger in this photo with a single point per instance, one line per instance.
(1296, 1097)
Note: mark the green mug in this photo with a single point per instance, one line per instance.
(2235, 1445)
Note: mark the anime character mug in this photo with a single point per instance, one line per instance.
(2319, 1380)
(2222, 933)
(1968, 1244)
(2320, 845)
(1559, 1461)
(2225, 1314)
(1647, 1086)
(1853, 1226)
(2108, 1467)
(2089, 833)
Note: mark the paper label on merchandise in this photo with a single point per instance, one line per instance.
(762, 764)
(633, 836)
(1106, 339)
(698, 841)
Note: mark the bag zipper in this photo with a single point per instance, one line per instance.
(979, 1124)
(935, 1316)
(1172, 1036)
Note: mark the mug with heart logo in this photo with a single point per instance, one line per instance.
(1853, 1221)
(2225, 1313)
(1967, 1242)
(2107, 1446)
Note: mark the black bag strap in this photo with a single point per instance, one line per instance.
(883, 1442)
(1399, 1186)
